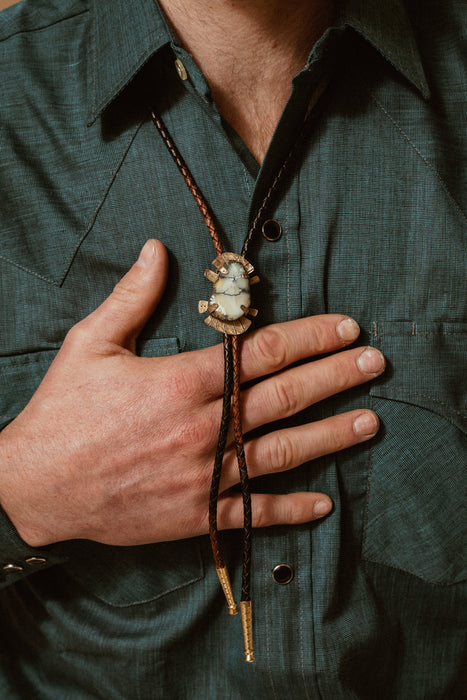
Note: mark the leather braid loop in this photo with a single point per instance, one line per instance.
(217, 470)
(232, 397)
(243, 471)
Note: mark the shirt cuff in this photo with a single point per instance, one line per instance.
(18, 559)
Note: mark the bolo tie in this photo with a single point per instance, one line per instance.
(230, 312)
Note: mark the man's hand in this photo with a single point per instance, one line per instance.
(119, 449)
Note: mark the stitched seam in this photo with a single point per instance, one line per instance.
(132, 604)
(376, 333)
(300, 617)
(101, 203)
(45, 26)
(93, 49)
(31, 272)
(436, 333)
(371, 455)
(247, 184)
(425, 396)
(392, 565)
(268, 617)
(59, 282)
(368, 492)
(314, 616)
(420, 154)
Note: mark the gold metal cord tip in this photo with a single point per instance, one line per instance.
(223, 575)
(247, 622)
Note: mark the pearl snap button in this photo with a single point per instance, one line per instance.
(181, 70)
(282, 574)
(272, 230)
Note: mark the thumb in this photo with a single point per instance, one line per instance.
(121, 317)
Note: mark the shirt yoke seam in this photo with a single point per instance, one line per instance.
(420, 154)
(45, 26)
(101, 202)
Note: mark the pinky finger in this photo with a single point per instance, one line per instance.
(268, 509)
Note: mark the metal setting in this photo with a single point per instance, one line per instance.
(223, 575)
(229, 304)
(247, 623)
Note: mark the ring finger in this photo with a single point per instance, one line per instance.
(288, 448)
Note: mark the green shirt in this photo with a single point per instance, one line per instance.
(373, 216)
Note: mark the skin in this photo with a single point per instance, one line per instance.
(140, 472)
(249, 68)
(119, 449)
(7, 3)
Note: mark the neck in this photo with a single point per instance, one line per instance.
(249, 51)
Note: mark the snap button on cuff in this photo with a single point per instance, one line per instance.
(12, 568)
(36, 561)
(282, 574)
(272, 230)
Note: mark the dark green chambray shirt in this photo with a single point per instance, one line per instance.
(374, 223)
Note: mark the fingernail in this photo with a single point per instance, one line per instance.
(348, 330)
(148, 253)
(322, 508)
(365, 425)
(371, 361)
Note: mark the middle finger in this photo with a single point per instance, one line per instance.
(295, 389)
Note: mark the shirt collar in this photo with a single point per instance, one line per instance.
(127, 34)
(386, 25)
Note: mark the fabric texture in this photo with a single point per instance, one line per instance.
(374, 222)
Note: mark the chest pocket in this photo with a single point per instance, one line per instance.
(415, 517)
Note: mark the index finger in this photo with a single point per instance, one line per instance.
(274, 347)
(270, 349)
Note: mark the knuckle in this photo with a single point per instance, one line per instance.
(78, 335)
(281, 453)
(284, 395)
(184, 383)
(263, 516)
(318, 336)
(271, 348)
(193, 438)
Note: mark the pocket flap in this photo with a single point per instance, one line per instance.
(426, 366)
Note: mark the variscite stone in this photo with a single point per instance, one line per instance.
(231, 292)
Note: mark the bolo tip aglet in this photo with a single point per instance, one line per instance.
(223, 575)
(247, 623)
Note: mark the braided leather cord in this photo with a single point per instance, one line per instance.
(242, 468)
(221, 442)
(232, 344)
(192, 186)
(228, 374)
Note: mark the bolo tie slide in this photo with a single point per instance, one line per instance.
(230, 312)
